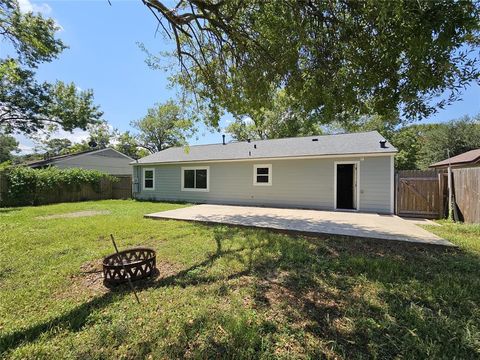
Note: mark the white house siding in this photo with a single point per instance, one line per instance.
(108, 161)
(306, 183)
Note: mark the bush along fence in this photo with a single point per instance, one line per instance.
(25, 186)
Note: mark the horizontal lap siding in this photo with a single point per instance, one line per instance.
(295, 183)
(375, 187)
(113, 165)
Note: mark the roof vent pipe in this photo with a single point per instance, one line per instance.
(383, 144)
(248, 140)
(255, 146)
(223, 139)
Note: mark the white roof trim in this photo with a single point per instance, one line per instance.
(257, 159)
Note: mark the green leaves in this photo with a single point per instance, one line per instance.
(31, 35)
(8, 144)
(24, 182)
(335, 59)
(164, 126)
(25, 104)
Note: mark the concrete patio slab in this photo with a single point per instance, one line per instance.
(387, 227)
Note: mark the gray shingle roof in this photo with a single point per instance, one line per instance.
(340, 144)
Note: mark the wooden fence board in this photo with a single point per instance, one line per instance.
(467, 193)
(418, 193)
(123, 188)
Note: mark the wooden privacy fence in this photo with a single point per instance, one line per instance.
(420, 193)
(466, 184)
(123, 188)
(106, 189)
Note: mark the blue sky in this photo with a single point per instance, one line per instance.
(103, 55)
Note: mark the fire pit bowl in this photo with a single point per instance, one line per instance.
(139, 263)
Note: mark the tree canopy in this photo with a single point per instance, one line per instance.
(448, 139)
(282, 119)
(164, 126)
(27, 105)
(336, 59)
(8, 145)
(128, 144)
(56, 146)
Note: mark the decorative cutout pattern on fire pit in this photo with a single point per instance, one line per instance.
(138, 262)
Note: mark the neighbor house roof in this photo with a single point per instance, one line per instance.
(309, 146)
(55, 159)
(471, 157)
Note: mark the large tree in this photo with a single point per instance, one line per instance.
(27, 105)
(336, 59)
(164, 126)
(451, 138)
(282, 119)
(100, 136)
(421, 145)
(56, 146)
(128, 144)
(8, 145)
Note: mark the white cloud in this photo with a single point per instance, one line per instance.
(29, 6)
(76, 136)
(38, 7)
(25, 149)
(248, 120)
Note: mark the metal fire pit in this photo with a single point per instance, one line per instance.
(138, 263)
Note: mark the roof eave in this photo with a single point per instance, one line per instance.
(326, 156)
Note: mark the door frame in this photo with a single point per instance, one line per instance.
(356, 174)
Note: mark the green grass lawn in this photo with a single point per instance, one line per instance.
(227, 292)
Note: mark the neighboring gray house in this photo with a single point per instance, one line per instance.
(344, 172)
(107, 160)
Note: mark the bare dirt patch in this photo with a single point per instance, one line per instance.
(75, 214)
(90, 279)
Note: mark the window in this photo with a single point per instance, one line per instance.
(148, 179)
(195, 178)
(262, 175)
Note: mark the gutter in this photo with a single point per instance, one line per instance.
(305, 157)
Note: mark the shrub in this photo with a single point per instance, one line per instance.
(25, 184)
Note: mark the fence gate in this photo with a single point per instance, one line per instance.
(419, 193)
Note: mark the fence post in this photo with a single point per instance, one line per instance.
(396, 193)
(441, 209)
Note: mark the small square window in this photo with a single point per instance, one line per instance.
(262, 174)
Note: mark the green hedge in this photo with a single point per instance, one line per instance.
(26, 184)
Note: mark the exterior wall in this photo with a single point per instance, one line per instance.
(302, 183)
(107, 161)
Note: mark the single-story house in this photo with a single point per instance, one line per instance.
(107, 160)
(467, 159)
(332, 172)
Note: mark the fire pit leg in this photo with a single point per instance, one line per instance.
(125, 270)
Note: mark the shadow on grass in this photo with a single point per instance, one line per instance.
(360, 297)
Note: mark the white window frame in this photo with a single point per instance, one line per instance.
(270, 174)
(153, 178)
(357, 193)
(183, 188)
